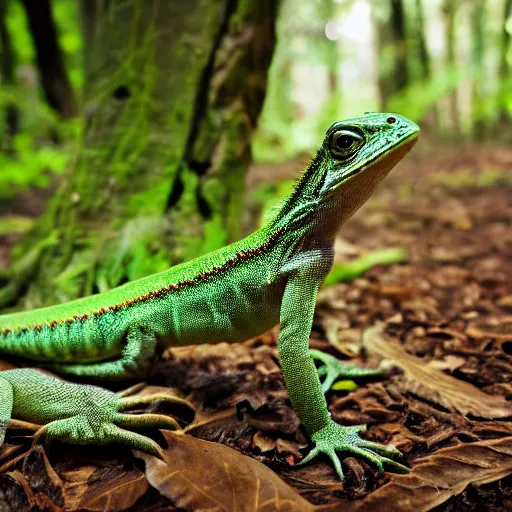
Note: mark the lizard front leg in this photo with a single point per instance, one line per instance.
(303, 383)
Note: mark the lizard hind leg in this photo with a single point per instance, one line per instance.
(6, 404)
(134, 361)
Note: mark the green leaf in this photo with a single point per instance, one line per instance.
(352, 269)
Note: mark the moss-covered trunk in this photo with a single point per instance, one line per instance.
(173, 92)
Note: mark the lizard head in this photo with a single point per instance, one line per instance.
(355, 156)
(363, 150)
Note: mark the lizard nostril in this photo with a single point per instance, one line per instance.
(391, 120)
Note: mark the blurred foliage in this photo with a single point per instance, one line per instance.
(43, 143)
(15, 224)
(334, 59)
(465, 178)
(134, 254)
(269, 196)
(339, 58)
(28, 165)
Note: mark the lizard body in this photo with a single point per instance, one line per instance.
(232, 294)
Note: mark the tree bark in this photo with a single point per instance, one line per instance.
(50, 60)
(7, 66)
(504, 63)
(450, 9)
(478, 50)
(173, 93)
(326, 13)
(391, 35)
(399, 34)
(384, 42)
(426, 66)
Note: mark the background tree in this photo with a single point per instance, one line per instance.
(172, 94)
(478, 20)
(8, 71)
(505, 59)
(390, 19)
(50, 60)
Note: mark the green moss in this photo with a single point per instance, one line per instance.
(136, 148)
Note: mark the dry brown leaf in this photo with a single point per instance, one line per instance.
(264, 442)
(16, 492)
(199, 475)
(436, 478)
(94, 489)
(434, 385)
(499, 328)
(41, 476)
(505, 302)
(6, 365)
(449, 362)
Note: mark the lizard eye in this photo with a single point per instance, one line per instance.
(344, 143)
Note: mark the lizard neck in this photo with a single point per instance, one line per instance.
(315, 215)
(308, 216)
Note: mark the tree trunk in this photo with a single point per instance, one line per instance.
(505, 75)
(450, 8)
(50, 60)
(424, 57)
(384, 44)
(7, 66)
(477, 29)
(391, 38)
(399, 35)
(173, 93)
(327, 13)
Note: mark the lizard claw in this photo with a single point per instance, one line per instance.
(335, 438)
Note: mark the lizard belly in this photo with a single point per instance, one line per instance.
(234, 312)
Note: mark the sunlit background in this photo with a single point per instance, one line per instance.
(444, 63)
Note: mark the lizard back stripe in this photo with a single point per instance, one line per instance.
(228, 264)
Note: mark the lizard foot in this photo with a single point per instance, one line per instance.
(100, 420)
(333, 369)
(334, 437)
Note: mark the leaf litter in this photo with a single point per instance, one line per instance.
(445, 320)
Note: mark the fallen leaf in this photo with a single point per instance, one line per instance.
(6, 365)
(425, 381)
(41, 476)
(499, 328)
(436, 478)
(449, 362)
(16, 492)
(505, 302)
(199, 475)
(275, 415)
(90, 488)
(263, 442)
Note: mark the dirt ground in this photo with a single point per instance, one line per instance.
(445, 318)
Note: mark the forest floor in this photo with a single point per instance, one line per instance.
(446, 318)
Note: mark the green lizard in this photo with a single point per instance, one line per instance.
(232, 294)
